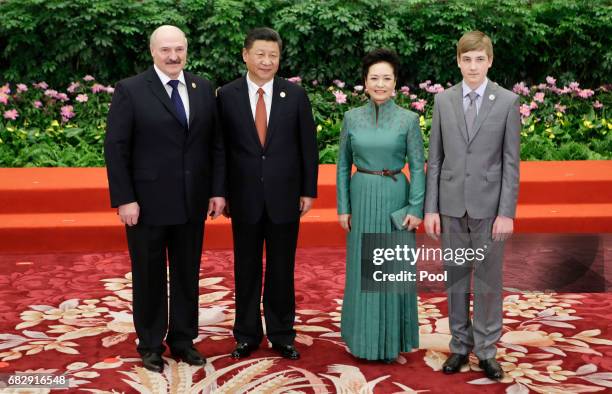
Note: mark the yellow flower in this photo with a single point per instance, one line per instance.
(588, 124)
(55, 123)
(422, 121)
(532, 127)
(10, 128)
(319, 128)
(559, 114)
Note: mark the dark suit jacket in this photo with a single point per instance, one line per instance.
(285, 168)
(152, 159)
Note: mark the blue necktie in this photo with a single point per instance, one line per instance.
(178, 103)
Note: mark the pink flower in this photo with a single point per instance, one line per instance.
(560, 108)
(424, 85)
(97, 88)
(4, 98)
(520, 88)
(295, 79)
(5, 89)
(419, 105)
(88, 78)
(110, 90)
(315, 82)
(51, 93)
(340, 97)
(542, 86)
(585, 93)
(339, 83)
(11, 114)
(37, 104)
(551, 81)
(73, 86)
(597, 105)
(413, 97)
(437, 88)
(574, 86)
(405, 90)
(82, 98)
(358, 88)
(62, 97)
(67, 112)
(41, 85)
(539, 97)
(525, 110)
(533, 105)
(22, 87)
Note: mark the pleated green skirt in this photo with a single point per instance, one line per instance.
(376, 325)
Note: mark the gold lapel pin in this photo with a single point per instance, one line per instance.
(492, 97)
(193, 85)
(283, 94)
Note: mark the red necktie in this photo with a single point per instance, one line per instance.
(261, 121)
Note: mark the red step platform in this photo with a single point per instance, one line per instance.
(68, 209)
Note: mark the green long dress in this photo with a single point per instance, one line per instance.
(378, 325)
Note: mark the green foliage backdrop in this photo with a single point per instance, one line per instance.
(59, 40)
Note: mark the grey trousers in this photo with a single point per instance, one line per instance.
(480, 334)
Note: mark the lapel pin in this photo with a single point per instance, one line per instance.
(492, 97)
(193, 85)
(283, 94)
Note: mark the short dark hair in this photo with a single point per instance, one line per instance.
(265, 34)
(378, 56)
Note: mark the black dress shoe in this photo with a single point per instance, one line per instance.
(153, 362)
(491, 368)
(189, 355)
(287, 351)
(243, 350)
(454, 363)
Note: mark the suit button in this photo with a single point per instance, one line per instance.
(263, 157)
(261, 179)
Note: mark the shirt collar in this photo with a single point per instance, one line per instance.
(479, 90)
(253, 87)
(164, 78)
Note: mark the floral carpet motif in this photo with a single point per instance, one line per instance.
(71, 314)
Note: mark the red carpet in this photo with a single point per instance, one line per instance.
(70, 313)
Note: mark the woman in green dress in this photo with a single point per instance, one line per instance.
(378, 138)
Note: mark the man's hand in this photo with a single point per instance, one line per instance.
(411, 222)
(432, 225)
(128, 213)
(502, 228)
(305, 205)
(215, 207)
(345, 221)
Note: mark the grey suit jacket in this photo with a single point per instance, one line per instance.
(480, 176)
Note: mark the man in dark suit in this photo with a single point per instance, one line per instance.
(272, 166)
(165, 161)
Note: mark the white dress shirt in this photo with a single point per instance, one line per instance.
(480, 91)
(182, 88)
(253, 96)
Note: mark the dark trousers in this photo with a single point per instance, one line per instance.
(279, 294)
(148, 246)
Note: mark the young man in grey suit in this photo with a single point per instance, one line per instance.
(472, 189)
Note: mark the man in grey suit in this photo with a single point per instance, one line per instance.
(472, 189)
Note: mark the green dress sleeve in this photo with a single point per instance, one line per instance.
(416, 161)
(343, 169)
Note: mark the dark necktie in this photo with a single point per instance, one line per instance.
(470, 114)
(261, 117)
(178, 103)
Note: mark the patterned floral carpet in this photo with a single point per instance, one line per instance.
(71, 314)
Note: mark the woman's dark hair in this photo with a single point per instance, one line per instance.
(378, 56)
(265, 34)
